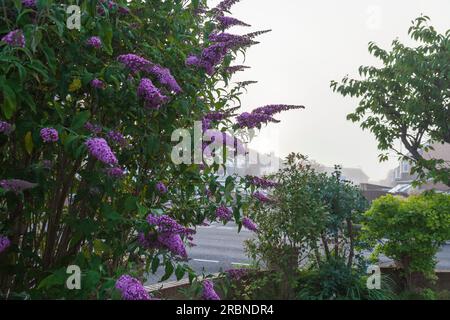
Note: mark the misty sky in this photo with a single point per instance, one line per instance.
(312, 43)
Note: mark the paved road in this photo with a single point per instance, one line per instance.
(221, 247)
(218, 248)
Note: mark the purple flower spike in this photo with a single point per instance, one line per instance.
(161, 187)
(224, 214)
(227, 22)
(4, 243)
(173, 243)
(249, 224)
(134, 62)
(152, 96)
(165, 77)
(234, 69)
(131, 288)
(208, 291)
(16, 185)
(49, 135)
(262, 183)
(93, 128)
(225, 5)
(94, 42)
(29, 3)
(15, 38)
(237, 274)
(169, 234)
(118, 138)
(98, 84)
(115, 173)
(99, 149)
(262, 115)
(5, 128)
(261, 197)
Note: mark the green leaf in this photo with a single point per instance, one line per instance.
(168, 271)
(29, 142)
(106, 34)
(155, 264)
(79, 120)
(180, 272)
(9, 102)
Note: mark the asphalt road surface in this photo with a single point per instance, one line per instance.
(220, 247)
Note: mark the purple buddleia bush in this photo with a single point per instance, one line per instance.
(131, 288)
(115, 90)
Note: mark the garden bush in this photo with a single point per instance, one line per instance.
(308, 219)
(334, 280)
(410, 231)
(85, 135)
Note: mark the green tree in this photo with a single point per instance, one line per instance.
(409, 231)
(310, 219)
(407, 99)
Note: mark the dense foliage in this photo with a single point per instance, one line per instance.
(85, 138)
(410, 231)
(407, 98)
(309, 219)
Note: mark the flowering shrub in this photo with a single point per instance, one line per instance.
(86, 124)
(306, 216)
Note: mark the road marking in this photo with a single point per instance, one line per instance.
(210, 261)
(240, 264)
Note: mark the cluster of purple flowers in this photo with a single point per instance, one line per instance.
(98, 84)
(209, 59)
(151, 95)
(49, 135)
(213, 55)
(115, 172)
(117, 137)
(168, 235)
(208, 291)
(222, 138)
(212, 117)
(234, 69)
(94, 42)
(261, 197)
(29, 3)
(262, 115)
(262, 183)
(249, 224)
(227, 22)
(131, 288)
(15, 38)
(5, 128)
(134, 62)
(224, 6)
(16, 185)
(237, 274)
(161, 188)
(4, 243)
(93, 128)
(165, 77)
(224, 214)
(99, 148)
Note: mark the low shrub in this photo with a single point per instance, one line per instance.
(410, 231)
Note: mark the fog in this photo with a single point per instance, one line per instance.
(312, 43)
